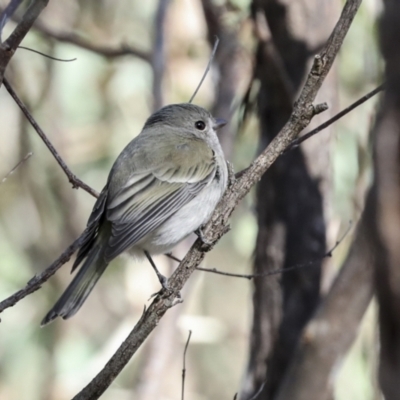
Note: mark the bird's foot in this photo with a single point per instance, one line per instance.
(199, 232)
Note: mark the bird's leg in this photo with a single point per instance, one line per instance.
(172, 257)
(163, 280)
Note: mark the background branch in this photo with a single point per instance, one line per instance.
(158, 56)
(26, 158)
(226, 65)
(329, 334)
(387, 212)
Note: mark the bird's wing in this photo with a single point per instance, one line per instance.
(150, 196)
(91, 228)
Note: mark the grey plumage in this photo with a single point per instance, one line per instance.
(162, 187)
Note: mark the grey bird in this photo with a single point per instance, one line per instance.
(163, 186)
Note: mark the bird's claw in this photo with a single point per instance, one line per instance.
(199, 232)
(166, 291)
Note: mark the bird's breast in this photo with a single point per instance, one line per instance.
(185, 221)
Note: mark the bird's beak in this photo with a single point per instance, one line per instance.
(219, 123)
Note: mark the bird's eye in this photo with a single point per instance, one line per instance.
(200, 125)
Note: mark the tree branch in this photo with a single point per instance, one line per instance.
(302, 114)
(74, 180)
(8, 48)
(7, 13)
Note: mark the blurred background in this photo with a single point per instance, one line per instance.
(90, 109)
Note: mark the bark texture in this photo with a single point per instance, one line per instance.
(291, 205)
(387, 164)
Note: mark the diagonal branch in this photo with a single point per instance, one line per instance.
(7, 13)
(217, 226)
(8, 48)
(75, 181)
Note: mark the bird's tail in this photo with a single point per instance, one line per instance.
(80, 287)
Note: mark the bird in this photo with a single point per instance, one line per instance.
(162, 187)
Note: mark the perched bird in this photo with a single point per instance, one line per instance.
(162, 187)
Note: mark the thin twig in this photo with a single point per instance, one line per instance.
(336, 117)
(29, 155)
(207, 69)
(324, 125)
(75, 181)
(46, 55)
(184, 365)
(275, 271)
(36, 282)
(303, 112)
(233, 275)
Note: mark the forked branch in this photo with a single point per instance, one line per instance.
(8, 48)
